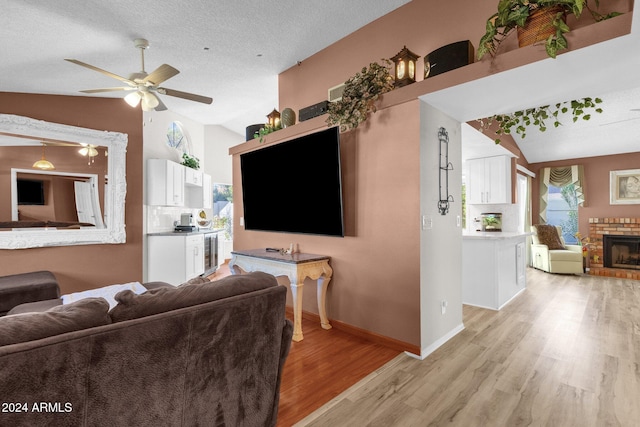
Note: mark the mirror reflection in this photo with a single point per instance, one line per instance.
(60, 185)
(53, 184)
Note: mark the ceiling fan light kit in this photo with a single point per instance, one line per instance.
(144, 85)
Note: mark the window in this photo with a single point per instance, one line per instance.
(562, 210)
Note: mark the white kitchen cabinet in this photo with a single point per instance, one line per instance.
(192, 177)
(489, 180)
(175, 258)
(493, 268)
(200, 196)
(165, 183)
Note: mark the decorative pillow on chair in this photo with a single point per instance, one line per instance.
(548, 235)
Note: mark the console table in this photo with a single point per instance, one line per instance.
(296, 267)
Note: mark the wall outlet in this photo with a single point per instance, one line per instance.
(427, 222)
(443, 306)
(241, 221)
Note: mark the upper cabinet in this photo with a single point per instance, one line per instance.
(489, 180)
(172, 184)
(165, 183)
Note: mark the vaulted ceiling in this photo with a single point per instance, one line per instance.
(234, 51)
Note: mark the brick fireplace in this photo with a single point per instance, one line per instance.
(598, 228)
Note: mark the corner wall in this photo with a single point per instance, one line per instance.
(440, 235)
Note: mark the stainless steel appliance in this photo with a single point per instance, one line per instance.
(210, 253)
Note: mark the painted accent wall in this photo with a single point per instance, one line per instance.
(88, 266)
(596, 171)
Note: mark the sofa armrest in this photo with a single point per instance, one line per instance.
(574, 248)
(20, 288)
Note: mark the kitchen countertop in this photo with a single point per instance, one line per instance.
(496, 235)
(187, 233)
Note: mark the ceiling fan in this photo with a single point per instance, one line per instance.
(145, 86)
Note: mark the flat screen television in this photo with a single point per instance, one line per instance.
(30, 192)
(295, 186)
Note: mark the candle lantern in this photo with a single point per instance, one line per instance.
(405, 66)
(274, 119)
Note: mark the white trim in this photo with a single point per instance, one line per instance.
(437, 344)
(525, 171)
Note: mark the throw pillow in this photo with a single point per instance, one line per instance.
(548, 235)
(61, 319)
(132, 306)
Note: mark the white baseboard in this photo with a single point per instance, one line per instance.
(437, 344)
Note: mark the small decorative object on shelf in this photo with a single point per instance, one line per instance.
(405, 66)
(273, 119)
(445, 167)
(190, 161)
(288, 117)
(447, 58)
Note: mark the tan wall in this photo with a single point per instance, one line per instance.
(376, 277)
(88, 266)
(596, 171)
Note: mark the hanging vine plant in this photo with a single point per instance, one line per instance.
(540, 117)
(360, 95)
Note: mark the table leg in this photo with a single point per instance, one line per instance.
(323, 283)
(296, 294)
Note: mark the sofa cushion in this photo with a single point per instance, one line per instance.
(548, 235)
(83, 314)
(570, 256)
(27, 287)
(132, 306)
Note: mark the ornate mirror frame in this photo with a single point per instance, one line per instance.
(116, 144)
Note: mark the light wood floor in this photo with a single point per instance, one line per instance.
(566, 352)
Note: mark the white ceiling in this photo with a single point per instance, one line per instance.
(234, 51)
(231, 51)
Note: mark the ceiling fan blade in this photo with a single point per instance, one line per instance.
(161, 106)
(185, 95)
(160, 74)
(100, 70)
(108, 89)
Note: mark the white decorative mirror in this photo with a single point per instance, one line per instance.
(79, 202)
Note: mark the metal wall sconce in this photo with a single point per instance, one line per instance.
(445, 167)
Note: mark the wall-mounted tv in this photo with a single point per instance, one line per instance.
(30, 192)
(294, 186)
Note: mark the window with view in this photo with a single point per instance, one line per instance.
(562, 210)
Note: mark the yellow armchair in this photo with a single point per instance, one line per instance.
(547, 258)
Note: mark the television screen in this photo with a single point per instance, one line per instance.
(30, 192)
(294, 186)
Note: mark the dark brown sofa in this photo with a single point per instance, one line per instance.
(206, 354)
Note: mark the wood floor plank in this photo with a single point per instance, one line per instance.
(566, 352)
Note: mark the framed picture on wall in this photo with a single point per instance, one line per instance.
(625, 187)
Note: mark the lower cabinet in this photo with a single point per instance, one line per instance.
(493, 270)
(175, 258)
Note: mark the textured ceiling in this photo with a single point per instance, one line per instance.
(229, 51)
(257, 40)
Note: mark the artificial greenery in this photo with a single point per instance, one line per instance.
(580, 109)
(515, 13)
(190, 162)
(360, 95)
(266, 130)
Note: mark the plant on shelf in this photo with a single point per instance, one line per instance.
(266, 130)
(539, 116)
(190, 161)
(360, 95)
(517, 14)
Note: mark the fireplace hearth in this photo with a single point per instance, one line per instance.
(621, 252)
